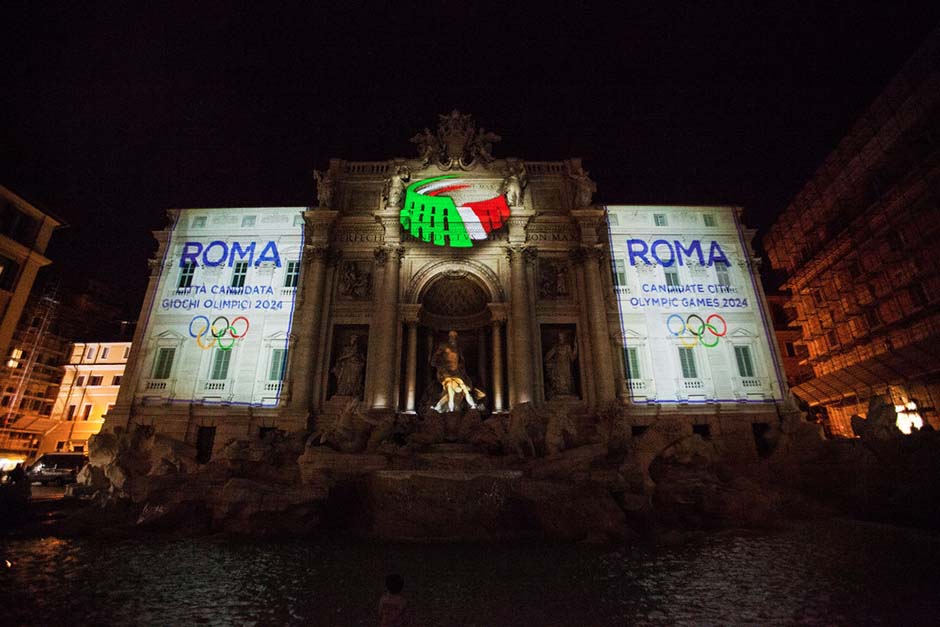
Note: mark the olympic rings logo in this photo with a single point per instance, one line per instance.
(696, 330)
(218, 332)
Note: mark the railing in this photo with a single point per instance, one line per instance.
(545, 167)
(215, 386)
(156, 384)
(637, 385)
(366, 167)
(692, 384)
(273, 386)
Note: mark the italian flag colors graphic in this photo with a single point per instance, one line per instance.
(433, 217)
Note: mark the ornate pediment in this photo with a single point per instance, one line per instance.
(457, 142)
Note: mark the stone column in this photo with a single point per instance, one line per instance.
(591, 255)
(306, 327)
(385, 326)
(498, 313)
(482, 368)
(520, 327)
(410, 315)
(383, 369)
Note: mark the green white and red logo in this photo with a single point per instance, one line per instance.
(431, 216)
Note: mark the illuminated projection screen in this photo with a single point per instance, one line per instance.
(693, 327)
(218, 328)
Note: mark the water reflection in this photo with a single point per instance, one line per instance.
(833, 572)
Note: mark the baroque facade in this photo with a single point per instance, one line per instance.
(452, 278)
(855, 249)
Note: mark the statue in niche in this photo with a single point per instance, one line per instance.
(396, 187)
(452, 375)
(553, 280)
(353, 281)
(429, 148)
(324, 188)
(348, 369)
(584, 188)
(558, 366)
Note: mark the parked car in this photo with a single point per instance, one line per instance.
(58, 468)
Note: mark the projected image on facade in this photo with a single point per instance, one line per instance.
(430, 214)
(218, 327)
(694, 329)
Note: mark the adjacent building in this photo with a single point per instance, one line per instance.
(31, 377)
(24, 234)
(856, 249)
(500, 272)
(88, 390)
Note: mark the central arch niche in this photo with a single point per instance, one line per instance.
(454, 300)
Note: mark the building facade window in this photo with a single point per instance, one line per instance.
(672, 277)
(709, 219)
(127, 351)
(248, 221)
(90, 354)
(724, 277)
(278, 357)
(613, 219)
(687, 362)
(9, 269)
(293, 270)
(199, 222)
(86, 412)
(659, 219)
(633, 362)
(187, 273)
(105, 352)
(745, 364)
(94, 380)
(620, 272)
(220, 364)
(163, 364)
(70, 414)
(80, 381)
(239, 274)
(116, 380)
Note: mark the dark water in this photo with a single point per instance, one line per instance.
(832, 572)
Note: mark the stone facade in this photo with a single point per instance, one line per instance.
(532, 304)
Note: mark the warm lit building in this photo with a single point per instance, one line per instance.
(30, 378)
(24, 235)
(279, 317)
(789, 334)
(88, 390)
(857, 248)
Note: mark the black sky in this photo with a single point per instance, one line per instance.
(113, 113)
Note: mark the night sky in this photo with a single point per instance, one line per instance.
(109, 116)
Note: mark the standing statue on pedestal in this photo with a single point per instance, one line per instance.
(558, 365)
(324, 188)
(348, 369)
(513, 185)
(429, 148)
(396, 187)
(482, 145)
(452, 375)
